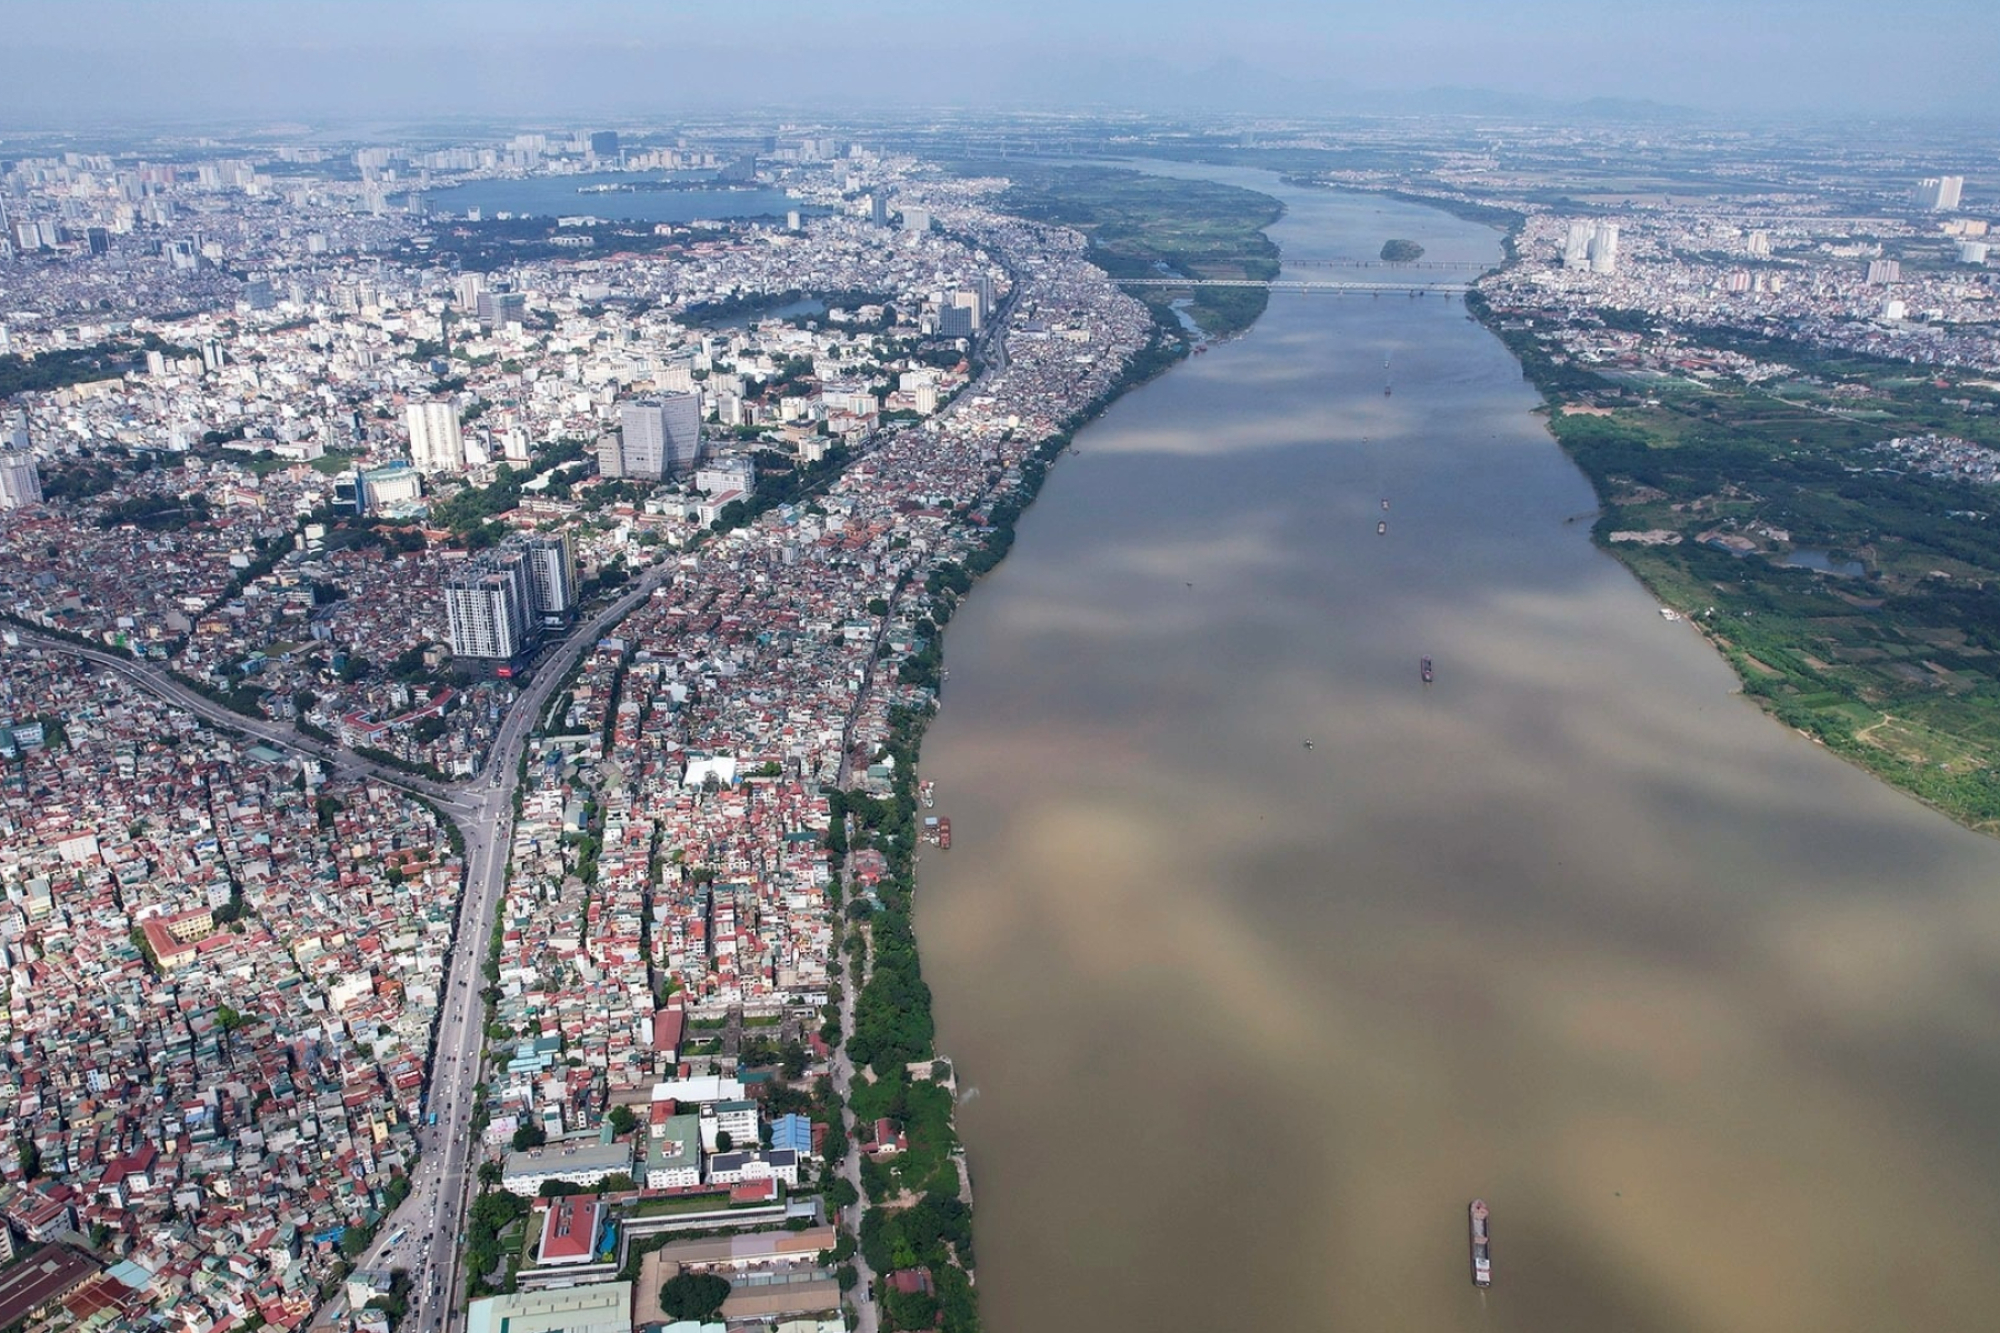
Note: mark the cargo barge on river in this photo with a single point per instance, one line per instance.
(1482, 1245)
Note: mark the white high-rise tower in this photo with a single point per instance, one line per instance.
(436, 443)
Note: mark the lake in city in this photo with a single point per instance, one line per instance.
(1710, 1019)
(559, 196)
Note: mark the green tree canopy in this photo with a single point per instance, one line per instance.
(694, 1296)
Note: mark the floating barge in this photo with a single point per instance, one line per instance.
(1482, 1245)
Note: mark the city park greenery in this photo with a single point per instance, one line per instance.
(1895, 667)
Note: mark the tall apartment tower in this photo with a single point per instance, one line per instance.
(1604, 248)
(661, 436)
(488, 605)
(20, 483)
(498, 309)
(604, 143)
(436, 443)
(498, 603)
(1938, 193)
(1576, 246)
(551, 574)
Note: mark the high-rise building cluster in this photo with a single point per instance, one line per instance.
(658, 437)
(501, 601)
(965, 311)
(1939, 194)
(1593, 246)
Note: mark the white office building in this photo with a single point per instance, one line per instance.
(733, 1168)
(20, 482)
(737, 1119)
(659, 437)
(728, 474)
(436, 443)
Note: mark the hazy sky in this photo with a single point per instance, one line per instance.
(178, 59)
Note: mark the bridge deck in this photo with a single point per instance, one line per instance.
(1305, 285)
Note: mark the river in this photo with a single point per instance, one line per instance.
(1709, 1018)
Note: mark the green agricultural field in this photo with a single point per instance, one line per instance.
(1143, 226)
(1896, 666)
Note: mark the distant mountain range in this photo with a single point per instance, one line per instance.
(1235, 86)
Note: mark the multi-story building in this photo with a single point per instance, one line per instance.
(729, 474)
(1939, 194)
(659, 437)
(498, 309)
(611, 454)
(20, 482)
(498, 604)
(552, 574)
(1604, 248)
(733, 1168)
(737, 1119)
(673, 1153)
(436, 443)
(574, 1164)
(489, 606)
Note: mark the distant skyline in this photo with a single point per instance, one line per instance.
(134, 60)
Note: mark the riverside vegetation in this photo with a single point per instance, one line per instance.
(1142, 226)
(1893, 662)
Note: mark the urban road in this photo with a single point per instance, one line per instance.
(422, 1235)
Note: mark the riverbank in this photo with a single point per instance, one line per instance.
(1852, 597)
(918, 1217)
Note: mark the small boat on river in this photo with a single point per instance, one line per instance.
(1424, 667)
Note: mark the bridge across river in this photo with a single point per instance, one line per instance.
(1332, 285)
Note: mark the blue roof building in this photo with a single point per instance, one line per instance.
(794, 1132)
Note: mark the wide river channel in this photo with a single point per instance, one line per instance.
(1710, 1019)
